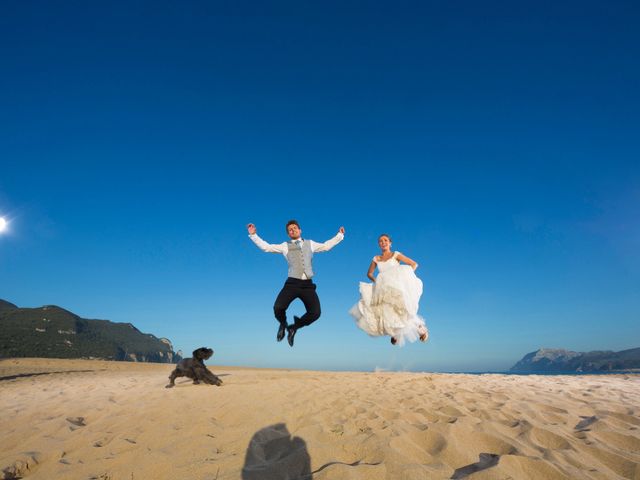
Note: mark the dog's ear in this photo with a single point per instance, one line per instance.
(198, 352)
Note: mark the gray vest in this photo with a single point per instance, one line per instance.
(299, 259)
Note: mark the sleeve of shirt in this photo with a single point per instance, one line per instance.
(268, 247)
(328, 245)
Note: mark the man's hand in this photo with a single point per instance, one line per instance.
(251, 228)
(341, 230)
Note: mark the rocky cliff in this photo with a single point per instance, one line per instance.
(558, 360)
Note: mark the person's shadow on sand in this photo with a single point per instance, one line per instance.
(273, 454)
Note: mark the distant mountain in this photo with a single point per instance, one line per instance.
(54, 332)
(559, 360)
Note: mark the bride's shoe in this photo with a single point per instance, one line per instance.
(393, 340)
(424, 334)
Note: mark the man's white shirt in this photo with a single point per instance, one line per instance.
(283, 247)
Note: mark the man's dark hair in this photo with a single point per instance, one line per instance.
(292, 222)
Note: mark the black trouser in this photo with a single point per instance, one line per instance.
(305, 290)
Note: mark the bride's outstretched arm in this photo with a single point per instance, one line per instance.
(372, 267)
(408, 261)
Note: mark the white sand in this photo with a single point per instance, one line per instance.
(83, 419)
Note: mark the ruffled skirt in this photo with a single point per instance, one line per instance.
(390, 305)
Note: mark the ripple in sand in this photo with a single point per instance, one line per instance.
(450, 411)
(628, 443)
(620, 465)
(490, 443)
(427, 415)
(622, 418)
(24, 465)
(430, 441)
(585, 423)
(548, 439)
(76, 422)
(405, 446)
(337, 429)
(487, 460)
(523, 468)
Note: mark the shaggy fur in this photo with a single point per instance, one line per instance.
(195, 369)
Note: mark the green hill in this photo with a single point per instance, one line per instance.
(6, 306)
(54, 332)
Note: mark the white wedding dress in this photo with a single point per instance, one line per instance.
(390, 305)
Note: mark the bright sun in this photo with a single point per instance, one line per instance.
(3, 224)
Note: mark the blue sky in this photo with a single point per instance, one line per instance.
(496, 142)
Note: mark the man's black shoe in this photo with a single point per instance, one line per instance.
(291, 334)
(281, 330)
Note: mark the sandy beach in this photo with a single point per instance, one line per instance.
(88, 419)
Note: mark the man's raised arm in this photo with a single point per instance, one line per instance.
(261, 244)
(329, 244)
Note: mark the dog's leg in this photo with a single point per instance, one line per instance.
(210, 378)
(216, 380)
(213, 379)
(199, 374)
(172, 379)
